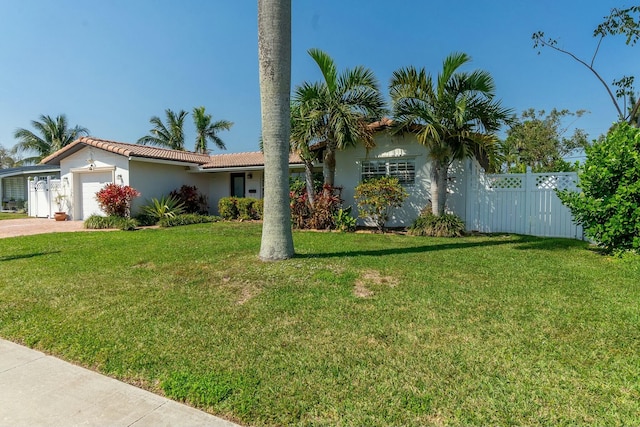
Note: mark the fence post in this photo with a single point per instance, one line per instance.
(528, 192)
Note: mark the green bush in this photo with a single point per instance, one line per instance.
(145, 220)
(228, 208)
(376, 198)
(428, 224)
(97, 222)
(245, 208)
(187, 219)
(344, 221)
(608, 208)
(258, 208)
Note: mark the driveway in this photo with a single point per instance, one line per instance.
(26, 226)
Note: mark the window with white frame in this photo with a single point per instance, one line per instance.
(403, 169)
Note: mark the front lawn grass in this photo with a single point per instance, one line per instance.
(12, 215)
(358, 329)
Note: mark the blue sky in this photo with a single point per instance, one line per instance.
(110, 65)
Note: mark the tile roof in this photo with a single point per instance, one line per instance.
(128, 150)
(232, 160)
(216, 161)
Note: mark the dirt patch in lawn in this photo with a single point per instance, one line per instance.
(370, 278)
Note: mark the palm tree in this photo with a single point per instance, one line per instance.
(302, 133)
(342, 106)
(454, 116)
(170, 135)
(274, 59)
(53, 135)
(205, 130)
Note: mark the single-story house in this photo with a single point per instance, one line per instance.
(511, 203)
(14, 184)
(89, 163)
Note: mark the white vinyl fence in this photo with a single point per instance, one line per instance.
(42, 193)
(524, 203)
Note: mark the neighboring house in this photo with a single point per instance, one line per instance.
(87, 164)
(14, 184)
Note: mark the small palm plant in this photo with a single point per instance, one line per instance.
(165, 207)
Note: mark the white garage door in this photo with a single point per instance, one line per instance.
(90, 184)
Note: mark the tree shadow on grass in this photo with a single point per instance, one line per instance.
(33, 255)
(519, 242)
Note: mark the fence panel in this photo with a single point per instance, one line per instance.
(524, 203)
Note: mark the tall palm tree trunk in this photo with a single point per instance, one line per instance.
(274, 56)
(308, 177)
(439, 177)
(329, 165)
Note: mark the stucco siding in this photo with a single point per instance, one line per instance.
(399, 147)
(154, 180)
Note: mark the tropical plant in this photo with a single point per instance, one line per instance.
(377, 197)
(344, 221)
(608, 207)
(339, 108)
(165, 207)
(455, 116)
(50, 135)
(192, 199)
(208, 131)
(115, 200)
(302, 133)
(274, 60)
(170, 135)
(428, 224)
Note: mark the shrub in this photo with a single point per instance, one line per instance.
(187, 219)
(376, 198)
(609, 206)
(192, 200)
(428, 224)
(166, 207)
(258, 208)
(145, 219)
(97, 222)
(344, 221)
(115, 200)
(245, 208)
(321, 215)
(228, 208)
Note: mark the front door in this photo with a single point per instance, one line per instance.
(237, 184)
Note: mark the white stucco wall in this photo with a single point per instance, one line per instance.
(74, 165)
(348, 175)
(154, 180)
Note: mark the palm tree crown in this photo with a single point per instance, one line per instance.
(340, 106)
(50, 136)
(170, 135)
(455, 116)
(208, 131)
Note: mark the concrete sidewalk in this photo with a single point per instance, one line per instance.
(40, 390)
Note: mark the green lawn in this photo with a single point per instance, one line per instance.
(358, 329)
(12, 215)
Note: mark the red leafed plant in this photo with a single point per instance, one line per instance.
(116, 199)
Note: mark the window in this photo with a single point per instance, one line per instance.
(403, 169)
